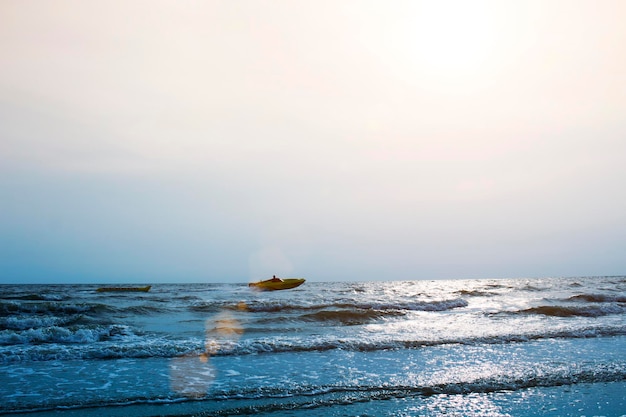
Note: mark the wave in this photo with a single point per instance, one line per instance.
(361, 345)
(476, 293)
(145, 309)
(307, 397)
(79, 345)
(285, 306)
(29, 297)
(598, 298)
(499, 286)
(281, 306)
(13, 308)
(256, 400)
(510, 382)
(442, 305)
(37, 322)
(349, 317)
(577, 311)
(64, 335)
(532, 288)
(209, 306)
(119, 342)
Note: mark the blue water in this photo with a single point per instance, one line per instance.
(524, 347)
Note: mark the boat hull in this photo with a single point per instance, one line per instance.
(271, 285)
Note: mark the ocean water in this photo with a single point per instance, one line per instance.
(506, 347)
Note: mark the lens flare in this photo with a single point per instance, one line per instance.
(222, 333)
(193, 375)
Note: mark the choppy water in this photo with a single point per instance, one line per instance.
(465, 347)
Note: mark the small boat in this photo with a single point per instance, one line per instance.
(275, 283)
(124, 289)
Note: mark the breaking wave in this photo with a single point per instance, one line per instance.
(64, 335)
(119, 342)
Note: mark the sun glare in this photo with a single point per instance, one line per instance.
(448, 40)
(453, 37)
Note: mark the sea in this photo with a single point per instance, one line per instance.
(481, 347)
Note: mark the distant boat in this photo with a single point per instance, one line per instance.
(124, 289)
(274, 284)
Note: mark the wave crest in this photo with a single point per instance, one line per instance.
(581, 311)
(598, 298)
(64, 335)
(350, 317)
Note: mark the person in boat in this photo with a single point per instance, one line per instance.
(276, 279)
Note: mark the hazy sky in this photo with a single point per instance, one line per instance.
(225, 141)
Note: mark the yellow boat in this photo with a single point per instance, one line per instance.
(275, 283)
(124, 289)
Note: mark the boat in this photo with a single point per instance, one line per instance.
(124, 289)
(274, 284)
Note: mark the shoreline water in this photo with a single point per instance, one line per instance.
(579, 400)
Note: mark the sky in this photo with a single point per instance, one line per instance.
(227, 141)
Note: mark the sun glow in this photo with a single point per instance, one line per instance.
(448, 41)
(453, 35)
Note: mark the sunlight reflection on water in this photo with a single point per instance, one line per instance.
(471, 405)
